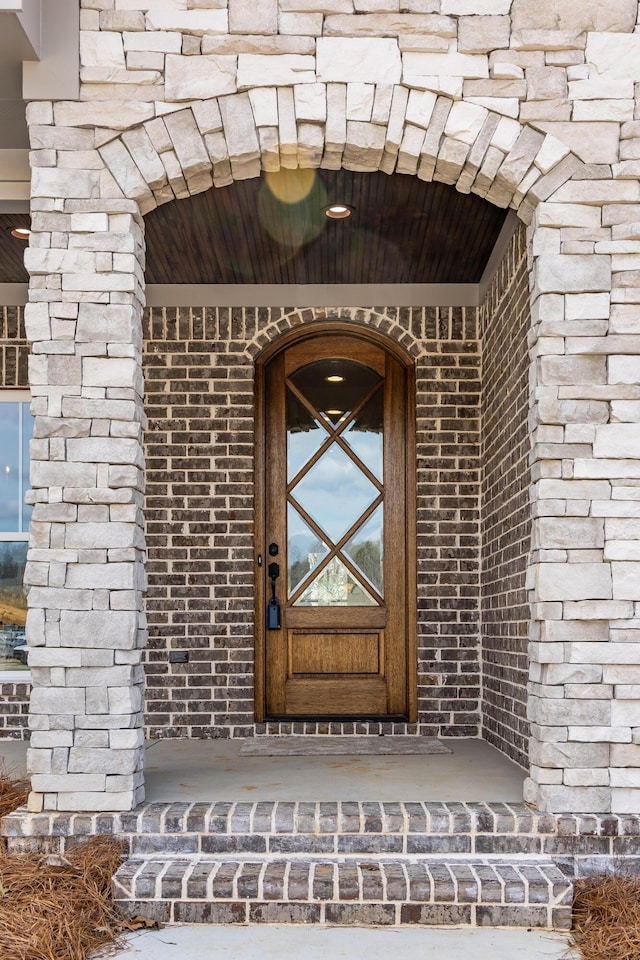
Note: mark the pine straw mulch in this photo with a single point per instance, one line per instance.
(606, 918)
(55, 907)
(13, 793)
(59, 907)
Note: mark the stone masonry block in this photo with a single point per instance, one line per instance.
(563, 755)
(101, 49)
(360, 60)
(124, 700)
(57, 700)
(188, 143)
(47, 473)
(152, 42)
(197, 78)
(470, 7)
(81, 800)
(625, 713)
(62, 183)
(106, 576)
(590, 15)
(465, 121)
(310, 102)
(103, 535)
(108, 629)
(418, 66)
(626, 582)
(481, 34)
(617, 440)
(594, 734)
(251, 19)
(174, 18)
(112, 372)
(625, 800)
(113, 676)
(575, 712)
(623, 369)
(106, 322)
(94, 760)
(239, 127)
(126, 739)
(569, 533)
(284, 70)
(364, 147)
(360, 101)
(604, 653)
(573, 370)
(104, 450)
(264, 102)
(573, 273)
(577, 581)
(613, 55)
(67, 783)
(572, 673)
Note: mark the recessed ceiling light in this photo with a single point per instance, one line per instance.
(335, 413)
(334, 378)
(338, 211)
(21, 233)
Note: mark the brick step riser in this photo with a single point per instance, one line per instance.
(342, 891)
(417, 879)
(331, 844)
(347, 914)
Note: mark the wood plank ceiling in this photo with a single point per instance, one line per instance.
(11, 250)
(273, 229)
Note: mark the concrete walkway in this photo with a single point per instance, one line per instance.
(203, 942)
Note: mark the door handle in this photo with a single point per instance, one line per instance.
(273, 606)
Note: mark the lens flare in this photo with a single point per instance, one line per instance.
(291, 186)
(290, 207)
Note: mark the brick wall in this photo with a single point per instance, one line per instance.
(199, 446)
(506, 516)
(448, 421)
(14, 351)
(14, 710)
(198, 363)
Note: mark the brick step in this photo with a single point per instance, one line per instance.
(511, 891)
(576, 843)
(340, 827)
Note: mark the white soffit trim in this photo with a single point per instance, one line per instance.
(24, 27)
(497, 254)
(290, 295)
(15, 178)
(313, 295)
(13, 294)
(56, 74)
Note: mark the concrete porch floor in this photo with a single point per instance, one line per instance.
(212, 770)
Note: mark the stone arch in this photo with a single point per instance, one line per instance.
(214, 142)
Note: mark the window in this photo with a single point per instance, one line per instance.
(16, 428)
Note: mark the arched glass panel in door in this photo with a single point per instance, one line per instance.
(335, 494)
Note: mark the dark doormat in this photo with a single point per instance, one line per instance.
(331, 746)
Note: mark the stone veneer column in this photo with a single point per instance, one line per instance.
(85, 574)
(584, 701)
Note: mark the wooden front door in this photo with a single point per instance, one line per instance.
(336, 566)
